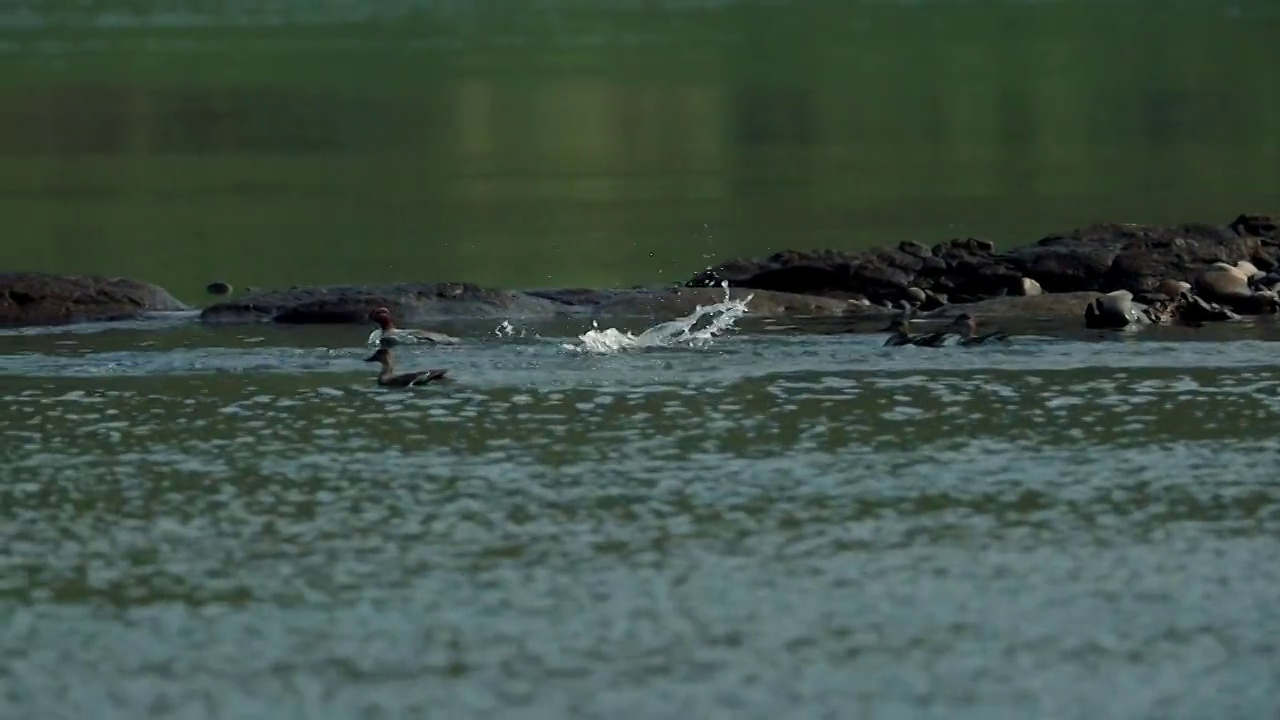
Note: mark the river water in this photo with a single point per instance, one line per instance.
(238, 523)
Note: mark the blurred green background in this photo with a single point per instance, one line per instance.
(598, 142)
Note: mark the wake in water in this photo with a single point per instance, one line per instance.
(679, 332)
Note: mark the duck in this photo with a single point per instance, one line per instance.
(388, 335)
(966, 326)
(900, 336)
(387, 377)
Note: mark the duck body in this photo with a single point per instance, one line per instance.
(991, 337)
(388, 335)
(966, 326)
(900, 336)
(405, 336)
(421, 377)
(388, 377)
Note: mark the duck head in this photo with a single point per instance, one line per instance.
(965, 323)
(897, 325)
(382, 316)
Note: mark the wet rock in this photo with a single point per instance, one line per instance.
(1195, 310)
(1114, 310)
(916, 296)
(1028, 287)
(28, 298)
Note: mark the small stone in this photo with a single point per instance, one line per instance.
(218, 287)
(916, 296)
(1173, 288)
(1112, 311)
(1028, 287)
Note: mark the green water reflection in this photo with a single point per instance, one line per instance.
(599, 143)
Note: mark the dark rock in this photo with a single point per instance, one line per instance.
(911, 247)
(1256, 225)
(800, 279)
(28, 298)
(415, 303)
(933, 266)
(883, 282)
(1195, 310)
(218, 287)
(353, 303)
(1179, 252)
(1097, 258)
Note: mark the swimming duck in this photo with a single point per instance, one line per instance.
(900, 336)
(388, 335)
(388, 377)
(966, 326)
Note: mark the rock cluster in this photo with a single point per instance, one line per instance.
(1227, 269)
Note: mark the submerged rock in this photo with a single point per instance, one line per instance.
(29, 298)
(1097, 258)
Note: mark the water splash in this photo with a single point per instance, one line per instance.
(679, 332)
(506, 329)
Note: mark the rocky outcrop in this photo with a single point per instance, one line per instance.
(414, 303)
(29, 298)
(1139, 259)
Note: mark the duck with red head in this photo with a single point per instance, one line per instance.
(388, 335)
(387, 376)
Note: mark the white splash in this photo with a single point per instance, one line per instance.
(680, 331)
(506, 329)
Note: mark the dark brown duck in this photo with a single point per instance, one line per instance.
(389, 378)
(900, 336)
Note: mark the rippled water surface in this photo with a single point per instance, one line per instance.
(238, 523)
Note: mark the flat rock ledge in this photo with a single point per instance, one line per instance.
(413, 303)
(31, 299)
